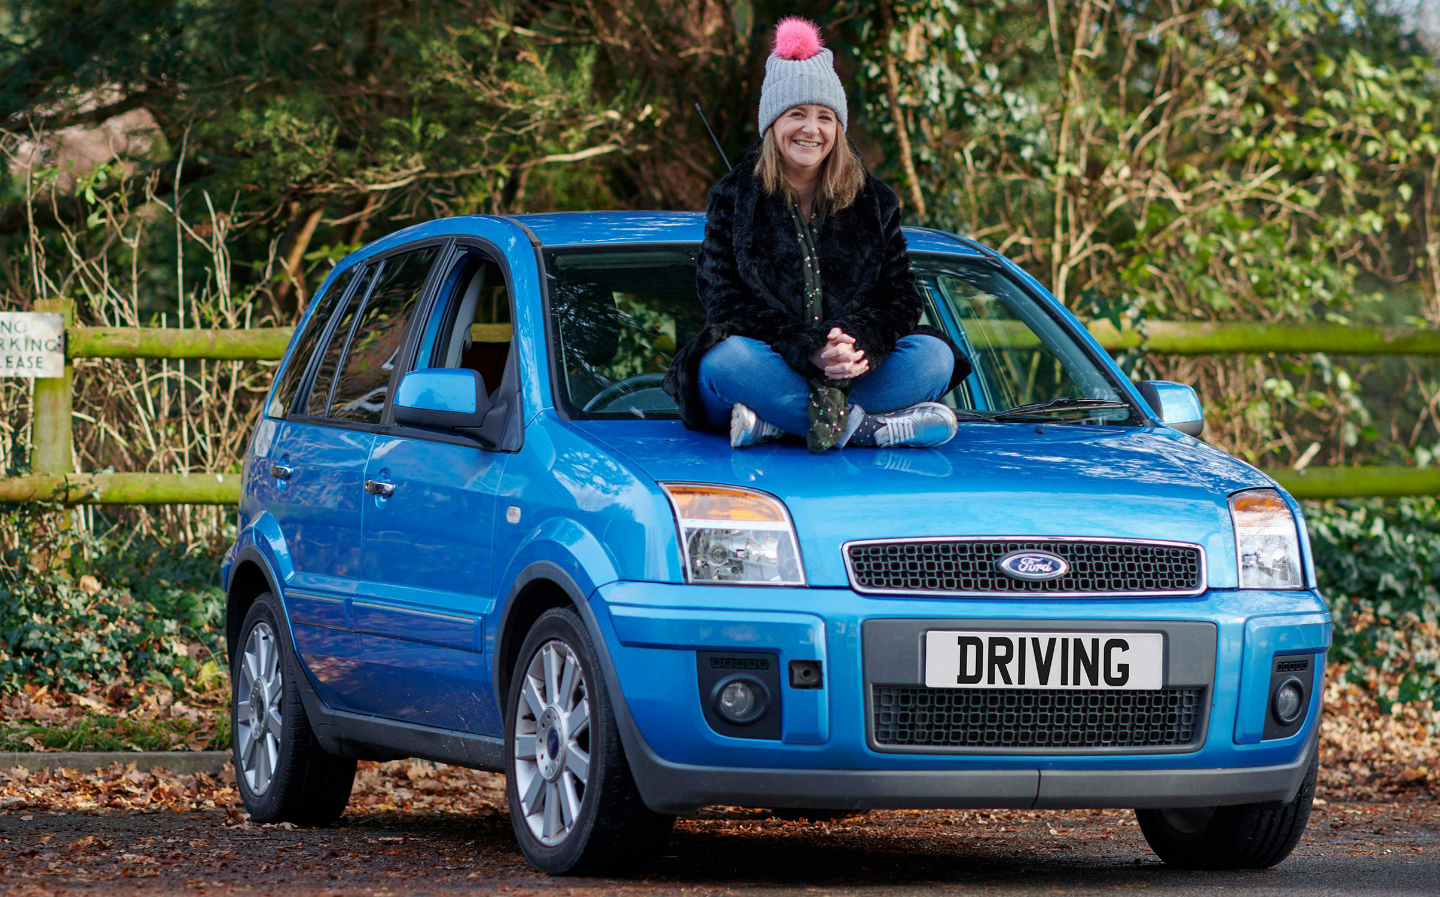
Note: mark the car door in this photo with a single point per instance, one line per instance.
(429, 529)
(314, 491)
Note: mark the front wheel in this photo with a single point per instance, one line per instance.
(573, 803)
(1248, 836)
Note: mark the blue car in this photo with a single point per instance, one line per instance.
(474, 530)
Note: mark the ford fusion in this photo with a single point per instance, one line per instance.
(473, 530)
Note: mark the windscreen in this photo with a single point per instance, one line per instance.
(617, 314)
(1023, 355)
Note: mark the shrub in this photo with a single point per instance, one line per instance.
(142, 610)
(1378, 563)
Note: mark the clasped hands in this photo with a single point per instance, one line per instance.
(839, 358)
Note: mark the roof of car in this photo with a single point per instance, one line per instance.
(602, 228)
(589, 228)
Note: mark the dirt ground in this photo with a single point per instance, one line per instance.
(415, 828)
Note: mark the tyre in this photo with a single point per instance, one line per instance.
(1248, 836)
(573, 803)
(280, 769)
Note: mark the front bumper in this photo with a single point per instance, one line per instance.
(679, 788)
(824, 757)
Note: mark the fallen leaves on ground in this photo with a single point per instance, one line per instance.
(194, 720)
(408, 785)
(1368, 754)
(468, 847)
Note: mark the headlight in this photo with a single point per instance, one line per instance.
(1267, 541)
(734, 536)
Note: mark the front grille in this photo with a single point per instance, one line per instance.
(968, 566)
(1035, 719)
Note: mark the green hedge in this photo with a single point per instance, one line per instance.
(143, 610)
(1378, 563)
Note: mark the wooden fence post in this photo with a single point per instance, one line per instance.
(50, 427)
(51, 437)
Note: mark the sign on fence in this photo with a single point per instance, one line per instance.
(32, 344)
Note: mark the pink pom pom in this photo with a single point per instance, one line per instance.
(796, 38)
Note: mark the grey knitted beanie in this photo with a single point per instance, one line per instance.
(799, 70)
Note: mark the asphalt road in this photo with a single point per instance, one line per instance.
(1349, 849)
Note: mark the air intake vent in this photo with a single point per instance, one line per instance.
(1035, 719)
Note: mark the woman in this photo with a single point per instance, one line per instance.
(810, 305)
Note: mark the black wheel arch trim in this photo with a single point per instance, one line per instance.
(637, 752)
(251, 555)
(365, 737)
(556, 575)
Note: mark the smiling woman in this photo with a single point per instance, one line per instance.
(806, 283)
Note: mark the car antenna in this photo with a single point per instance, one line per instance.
(723, 157)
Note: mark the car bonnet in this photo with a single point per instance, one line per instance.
(1001, 479)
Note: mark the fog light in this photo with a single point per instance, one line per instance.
(740, 700)
(1289, 701)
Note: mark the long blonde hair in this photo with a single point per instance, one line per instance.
(842, 177)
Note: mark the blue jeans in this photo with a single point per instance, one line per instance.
(748, 371)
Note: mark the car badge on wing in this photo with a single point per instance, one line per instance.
(1033, 565)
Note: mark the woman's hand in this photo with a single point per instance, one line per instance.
(839, 359)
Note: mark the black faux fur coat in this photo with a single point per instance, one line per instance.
(750, 281)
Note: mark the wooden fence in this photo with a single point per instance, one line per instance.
(53, 478)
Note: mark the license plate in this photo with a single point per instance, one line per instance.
(1103, 660)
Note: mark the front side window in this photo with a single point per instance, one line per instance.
(306, 341)
(617, 314)
(364, 380)
(470, 325)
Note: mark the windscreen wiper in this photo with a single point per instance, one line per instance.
(1046, 407)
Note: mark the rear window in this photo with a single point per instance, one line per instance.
(365, 380)
(306, 341)
(319, 399)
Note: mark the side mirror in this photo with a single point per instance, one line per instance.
(1176, 404)
(443, 398)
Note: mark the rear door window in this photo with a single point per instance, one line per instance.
(364, 381)
(284, 398)
(335, 343)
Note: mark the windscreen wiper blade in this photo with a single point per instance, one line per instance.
(1059, 404)
(1046, 407)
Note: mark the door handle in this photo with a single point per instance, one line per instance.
(375, 487)
(280, 471)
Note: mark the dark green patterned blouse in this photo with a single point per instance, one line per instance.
(829, 399)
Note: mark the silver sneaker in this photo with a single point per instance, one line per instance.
(746, 427)
(924, 424)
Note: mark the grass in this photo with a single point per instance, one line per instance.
(107, 733)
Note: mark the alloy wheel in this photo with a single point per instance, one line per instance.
(552, 742)
(257, 708)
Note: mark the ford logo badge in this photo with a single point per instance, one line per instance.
(1033, 565)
